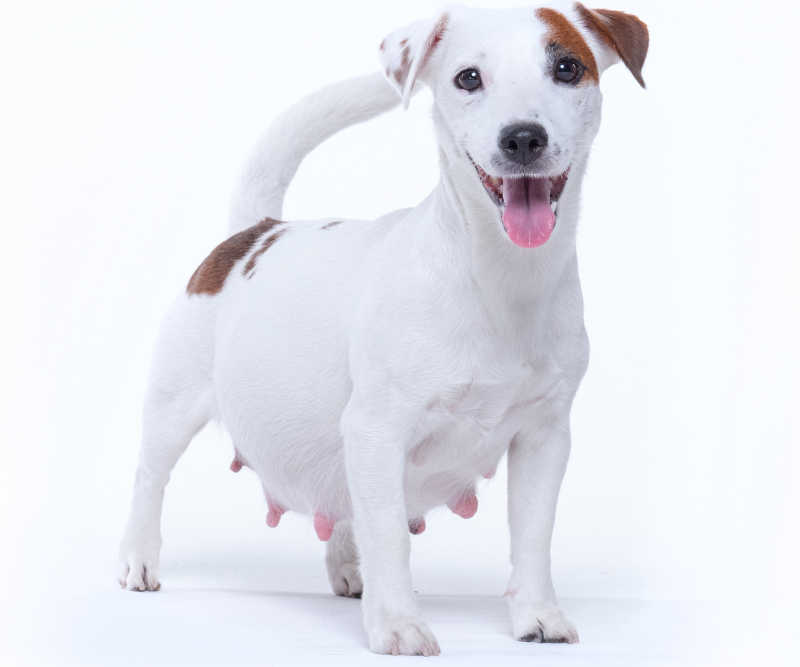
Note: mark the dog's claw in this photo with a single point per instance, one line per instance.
(545, 625)
(139, 574)
(346, 581)
(403, 636)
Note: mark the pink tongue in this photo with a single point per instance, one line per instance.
(528, 218)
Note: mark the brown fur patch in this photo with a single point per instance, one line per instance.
(562, 33)
(438, 32)
(249, 268)
(333, 224)
(401, 73)
(624, 33)
(210, 276)
(435, 38)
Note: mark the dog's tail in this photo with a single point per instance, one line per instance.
(294, 134)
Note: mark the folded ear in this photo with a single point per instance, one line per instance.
(623, 36)
(405, 53)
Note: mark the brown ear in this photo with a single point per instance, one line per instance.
(624, 33)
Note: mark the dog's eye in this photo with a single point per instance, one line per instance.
(568, 70)
(468, 79)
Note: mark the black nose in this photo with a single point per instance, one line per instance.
(523, 142)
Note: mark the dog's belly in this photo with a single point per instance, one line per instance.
(305, 472)
(296, 450)
(446, 466)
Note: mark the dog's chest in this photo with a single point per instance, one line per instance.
(482, 403)
(468, 427)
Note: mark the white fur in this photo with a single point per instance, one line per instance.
(375, 370)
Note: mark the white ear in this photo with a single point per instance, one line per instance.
(405, 53)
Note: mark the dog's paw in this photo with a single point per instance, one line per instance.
(402, 635)
(542, 625)
(346, 580)
(138, 568)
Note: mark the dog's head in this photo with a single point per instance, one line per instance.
(516, 95)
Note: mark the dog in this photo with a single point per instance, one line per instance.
(369, 371)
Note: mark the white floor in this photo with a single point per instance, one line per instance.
(240, 608)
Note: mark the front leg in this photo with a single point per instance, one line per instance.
(536, 463)
(375, 461)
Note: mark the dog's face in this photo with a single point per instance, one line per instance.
(517, 95)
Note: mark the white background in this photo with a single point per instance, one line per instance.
(123, 127)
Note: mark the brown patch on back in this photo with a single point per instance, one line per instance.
(561, 32)
(624, 33)
(331, 225)
(210, 276)
(249, 268)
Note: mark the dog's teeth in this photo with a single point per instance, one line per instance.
(554, 205)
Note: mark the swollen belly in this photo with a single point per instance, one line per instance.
(444, 468)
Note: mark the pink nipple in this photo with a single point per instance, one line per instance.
(416, 526)
(274, 514)
(466, 505)
(324, 526)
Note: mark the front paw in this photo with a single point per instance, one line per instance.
(541, 624)
(402, 635)
(138, 564)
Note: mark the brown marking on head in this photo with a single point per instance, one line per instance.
(563, 34)
(624, 33)
(333, 224)
(403, 42)
(210, 276)
(249, 268)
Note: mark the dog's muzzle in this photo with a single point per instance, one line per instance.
(528, 204)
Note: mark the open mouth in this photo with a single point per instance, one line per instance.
(528, 204)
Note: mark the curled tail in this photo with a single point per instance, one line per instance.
(294, 134)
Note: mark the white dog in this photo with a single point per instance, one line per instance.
(370, 371)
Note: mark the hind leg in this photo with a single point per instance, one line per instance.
(177, 406)
(341, 559)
